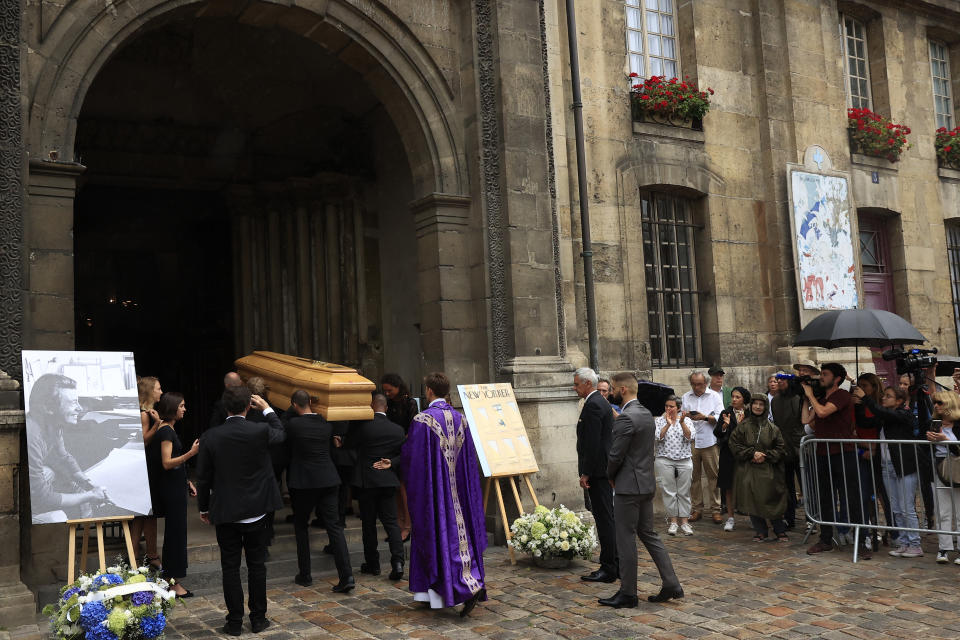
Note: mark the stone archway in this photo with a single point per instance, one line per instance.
(84, 37)
(393, 64)
(80, 42)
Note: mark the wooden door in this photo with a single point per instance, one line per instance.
(877, 278)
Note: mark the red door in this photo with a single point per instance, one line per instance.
(877, 280)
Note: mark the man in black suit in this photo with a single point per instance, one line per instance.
(593, 448)
(375, 441)
(630, 470)
(236, 491)
(314, 484)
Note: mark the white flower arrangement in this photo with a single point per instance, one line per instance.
(553, 533)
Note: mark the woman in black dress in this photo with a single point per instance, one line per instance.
(173, 489)
(726, 423)
(149, 392)
(401, 408)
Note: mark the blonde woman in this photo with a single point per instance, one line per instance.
(149, 392)
(946, 406)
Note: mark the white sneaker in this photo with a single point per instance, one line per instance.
(912, 552)
(729, 525)
(942, 557)
(898, 552)
(687, 529)
(672, 529)
(956, 560)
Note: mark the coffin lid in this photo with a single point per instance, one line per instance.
(337, 392)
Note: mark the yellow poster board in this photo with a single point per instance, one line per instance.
(497, 429)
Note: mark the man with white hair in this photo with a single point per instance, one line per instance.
(593, 448)
(703, 407)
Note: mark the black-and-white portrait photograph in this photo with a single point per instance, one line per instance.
(84, 441)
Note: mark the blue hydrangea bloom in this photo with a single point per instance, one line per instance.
(141, 598)
(92, 615)
(153, 626)
(69, 592)
(100, 632)
(105, 579)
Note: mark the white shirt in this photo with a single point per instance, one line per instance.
(709, 404)
(943, 450)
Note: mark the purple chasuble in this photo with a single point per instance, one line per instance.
(448, 535)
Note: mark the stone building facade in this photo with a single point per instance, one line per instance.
(392, 184)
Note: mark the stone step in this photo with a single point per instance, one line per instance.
(283, 541)
(17, 606)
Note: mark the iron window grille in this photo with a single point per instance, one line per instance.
(953, 252)
(673, 300)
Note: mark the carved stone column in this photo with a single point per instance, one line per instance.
(11, 192)
(518, 189)
(17, 603)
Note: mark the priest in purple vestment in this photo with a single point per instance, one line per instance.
(448, 535)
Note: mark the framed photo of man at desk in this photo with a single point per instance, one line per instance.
(84, 441)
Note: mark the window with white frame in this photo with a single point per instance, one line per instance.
(856, 68)
(942, 96)
(652, 38)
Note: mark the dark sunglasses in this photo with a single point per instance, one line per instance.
(938, 402)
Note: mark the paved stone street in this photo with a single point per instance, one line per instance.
(734, 589)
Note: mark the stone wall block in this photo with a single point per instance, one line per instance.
(51, 272)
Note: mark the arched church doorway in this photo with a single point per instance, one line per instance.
(245, 189)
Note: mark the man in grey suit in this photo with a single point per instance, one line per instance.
(630, 470)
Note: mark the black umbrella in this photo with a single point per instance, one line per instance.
(858, 328)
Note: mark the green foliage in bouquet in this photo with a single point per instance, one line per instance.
(123, 603)
(553, 533)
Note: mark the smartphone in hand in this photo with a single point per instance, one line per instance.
(936, 425)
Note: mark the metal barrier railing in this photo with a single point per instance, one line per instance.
(851, 479)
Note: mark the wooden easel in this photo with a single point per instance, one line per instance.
(513, 480)
(87, 523)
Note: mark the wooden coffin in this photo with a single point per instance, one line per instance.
(336, 392)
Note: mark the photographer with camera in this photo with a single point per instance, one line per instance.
(899, 465)
(832, 416)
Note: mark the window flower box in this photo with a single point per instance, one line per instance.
(874, 135)
(672, 102)
(947, 144)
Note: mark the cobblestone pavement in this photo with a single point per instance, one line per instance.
(735, 588)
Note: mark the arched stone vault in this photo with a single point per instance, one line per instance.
(365, 35)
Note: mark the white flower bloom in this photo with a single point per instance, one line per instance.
(563, 535)
(537, 553)
(565, 546)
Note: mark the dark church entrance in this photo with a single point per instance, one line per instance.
(244, 190)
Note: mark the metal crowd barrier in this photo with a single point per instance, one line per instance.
(851, 481)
